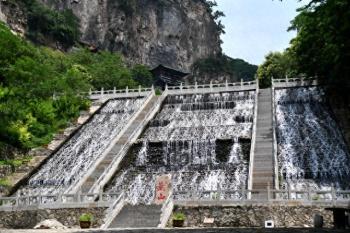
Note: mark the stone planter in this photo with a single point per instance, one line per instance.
(85, 225)
(178, 223)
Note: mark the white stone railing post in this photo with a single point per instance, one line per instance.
(114, 90)
(211, 85)
(289, 192)
(152, 89)
(139, 89)
(127, 90)
(166, 87)
(244, 193)
(100, 195)
(90, 92)
(102, 92)
(181, 87)
(79, 196)
(334, 197)
(287, 79)
(59, 198)
(17, 199)
(226, 85)
(241, 82)
(39, 199)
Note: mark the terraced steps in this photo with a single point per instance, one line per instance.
(263, 170)
(119, 145)
(139, 216)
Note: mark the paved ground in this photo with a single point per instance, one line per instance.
(198, 230)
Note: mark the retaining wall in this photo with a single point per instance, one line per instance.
(253, 216)
(27, 219)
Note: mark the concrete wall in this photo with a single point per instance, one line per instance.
(253, 216)
(68, 217)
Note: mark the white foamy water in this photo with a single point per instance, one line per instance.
(77, 155)
(202, 141)
(311, 149)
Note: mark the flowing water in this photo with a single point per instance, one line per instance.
(311, 149)
(202, 141)
(77, 155)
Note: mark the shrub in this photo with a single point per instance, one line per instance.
(62, 26)
(158, 91)
(179, 216)
(86, 217)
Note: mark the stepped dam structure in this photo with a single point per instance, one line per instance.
(202, 141)
(73, 159)
(312, 152)
(204, 149)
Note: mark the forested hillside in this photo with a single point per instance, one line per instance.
(221, 68)
(39, 88)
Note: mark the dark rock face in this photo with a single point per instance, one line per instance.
(14, 16)
(173, 32)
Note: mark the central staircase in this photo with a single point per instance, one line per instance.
(263, 171)
(119, 145)
(139, 216)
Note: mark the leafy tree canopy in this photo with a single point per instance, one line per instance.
(322, 46)
(224, 65)
(276, 65)
(39, 87)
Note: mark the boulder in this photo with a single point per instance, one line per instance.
(50, 224)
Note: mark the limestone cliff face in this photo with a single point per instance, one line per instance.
(173, 32)
(12, 15)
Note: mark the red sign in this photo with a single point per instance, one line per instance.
(162, 189)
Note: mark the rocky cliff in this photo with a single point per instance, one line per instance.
(175, 33)
(13, 15)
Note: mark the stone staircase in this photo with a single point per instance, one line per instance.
(119, 145)
(263, 171)
(139, 216)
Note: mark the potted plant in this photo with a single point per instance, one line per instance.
(178, 220)
(85, 221)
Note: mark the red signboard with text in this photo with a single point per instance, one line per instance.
(162, 189)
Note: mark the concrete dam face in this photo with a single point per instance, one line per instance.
(202, 141)
(77, 155)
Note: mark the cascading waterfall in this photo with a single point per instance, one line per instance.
(311, 149)
(77, 155)
(201, 140)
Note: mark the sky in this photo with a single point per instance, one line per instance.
(256, 27)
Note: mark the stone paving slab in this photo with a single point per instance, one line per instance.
(185, 230)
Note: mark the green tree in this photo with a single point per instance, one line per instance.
(322, 46)
(276, 65)
(142, 75)
(30, 77)
(45, 24)
(224, 65)
(107, 69)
